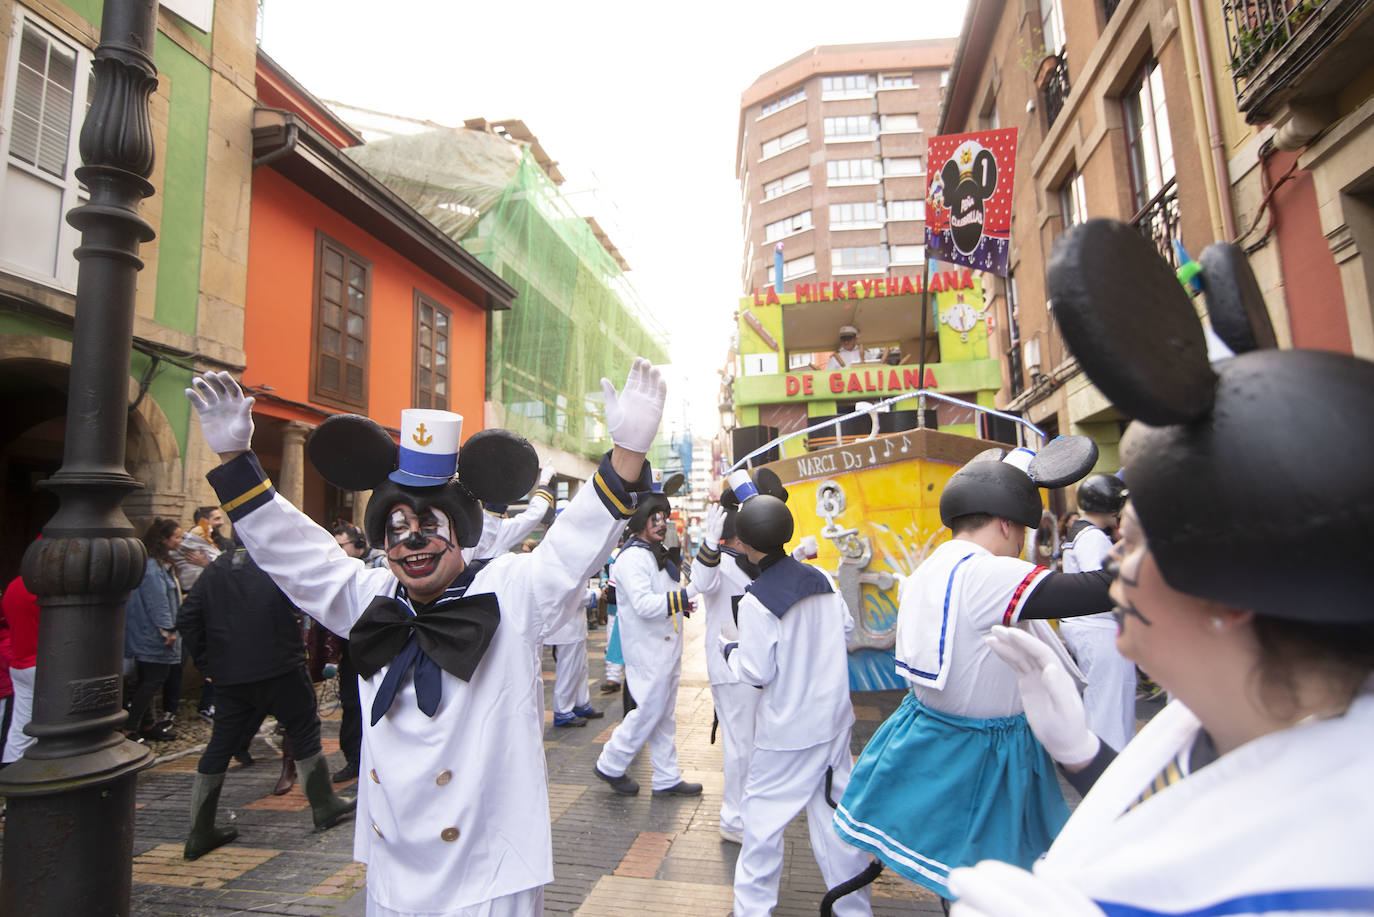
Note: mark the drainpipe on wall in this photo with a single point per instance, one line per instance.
(1221, 171)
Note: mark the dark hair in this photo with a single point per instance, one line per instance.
(969, 522)
(159, 530)
(1343, 652)
(203, 512)
(355, 534)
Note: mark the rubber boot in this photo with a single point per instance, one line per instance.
(327, 807)
(204, 836)
(288, 770)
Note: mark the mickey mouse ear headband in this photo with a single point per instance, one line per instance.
(1251, 478)
(1006, 483)
(763, 521)
(354, 453)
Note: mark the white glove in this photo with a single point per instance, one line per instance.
(993, 889)
(808, 548)
(1053, 707)
(226, 416)
(693, 590)
(545, 475)
(712, 526)
(632, 416)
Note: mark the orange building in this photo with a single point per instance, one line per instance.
(355, 302)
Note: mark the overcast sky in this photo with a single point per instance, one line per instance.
(638, 101)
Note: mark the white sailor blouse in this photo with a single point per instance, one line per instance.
(722, 581)
(452, 807)
(650, 605)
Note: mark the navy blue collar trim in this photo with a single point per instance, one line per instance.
(785, 582)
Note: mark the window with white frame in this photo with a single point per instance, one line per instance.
(48, 85)
(898, 81)
(898, 124)
(791, 182)
(861, 213)
(906, 210)
(1052, 26)
(858, 258)
(778, 229)
(783, 142)
(849, 127)
(902, 165)
(1149, 147)
(1073, 203)
(851, 172)
(783, 101)
(797, 267)
(848, 86)
(907, 254)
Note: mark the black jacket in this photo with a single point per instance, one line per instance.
(237, 625)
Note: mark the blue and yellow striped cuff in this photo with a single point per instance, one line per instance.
(678, 602)
(241, 485)
(708, 557)
(618, 499)
(543, 492)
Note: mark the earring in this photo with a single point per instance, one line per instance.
(1217, 622)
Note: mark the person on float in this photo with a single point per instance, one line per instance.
(955, 773)
(651, 617)
(792, 644)
(1110, 692)
(849, 351)
(453, 816)
(722, 572)
(1242, 587)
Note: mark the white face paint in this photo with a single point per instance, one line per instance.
(656, 528)
(422, 551)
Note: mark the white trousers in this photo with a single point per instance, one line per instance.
(781, 784)
(653, 722)
(1109, 698)
(528, 903)
(736, 705)
(570, 677)
(18, 740)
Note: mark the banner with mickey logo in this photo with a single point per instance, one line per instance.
(968, 203)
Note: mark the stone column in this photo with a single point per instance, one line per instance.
(292, 483)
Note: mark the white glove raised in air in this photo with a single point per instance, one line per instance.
(546, 475)
(993, 889)
(226, 416)
(1054, 708)
(633, 414)
(807, 548)
(712, 526)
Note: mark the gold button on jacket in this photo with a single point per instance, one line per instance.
(449, 834)
(444, 777)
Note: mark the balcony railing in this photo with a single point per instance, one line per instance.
(1054, 83)
(1158, 221)
(1256, 28)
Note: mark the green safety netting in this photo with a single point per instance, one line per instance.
(576, 317)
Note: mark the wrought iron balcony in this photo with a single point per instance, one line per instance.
(1288, 51)
(1054, 84)
(1158, 221)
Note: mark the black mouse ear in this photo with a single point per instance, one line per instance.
(1127, 320)
(351, 452)
(1064, 459)
(1235, 304)
(768, 482)
(673, 483)
(728, 500)
(496, 466)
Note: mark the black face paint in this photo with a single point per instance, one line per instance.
(1113, 567)
(406, 530)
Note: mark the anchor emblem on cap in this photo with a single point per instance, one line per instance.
(420, 436)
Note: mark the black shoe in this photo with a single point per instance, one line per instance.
(609, 687)
(625, 785)
(159, 733)
(588, 712)
(568, 719)
(346, 773)
(681, 788)
(245, 758)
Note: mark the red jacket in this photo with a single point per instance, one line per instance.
(21, 611)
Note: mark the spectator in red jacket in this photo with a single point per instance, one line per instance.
(20, 608)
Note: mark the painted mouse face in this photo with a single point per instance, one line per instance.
(969, 178)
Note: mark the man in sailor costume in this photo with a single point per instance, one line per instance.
(722, 572)
(793, 630)
(1111, 681)
(651, 615)
(453, 815)
(955, 772)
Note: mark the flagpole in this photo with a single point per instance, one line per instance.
(925, 319)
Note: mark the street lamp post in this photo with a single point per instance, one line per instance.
(69, 827)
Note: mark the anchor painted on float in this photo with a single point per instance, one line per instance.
(856, 552)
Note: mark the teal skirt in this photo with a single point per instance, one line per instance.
(933, 791)
(613, 653)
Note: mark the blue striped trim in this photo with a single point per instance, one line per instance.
(543, 492)
(439, 465)
(707, 557)
(677, 602)
(241, 485)
(1302, 899)
(944, 625)
(612, 490)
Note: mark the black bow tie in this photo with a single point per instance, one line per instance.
(452, 636)
(663, 559)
